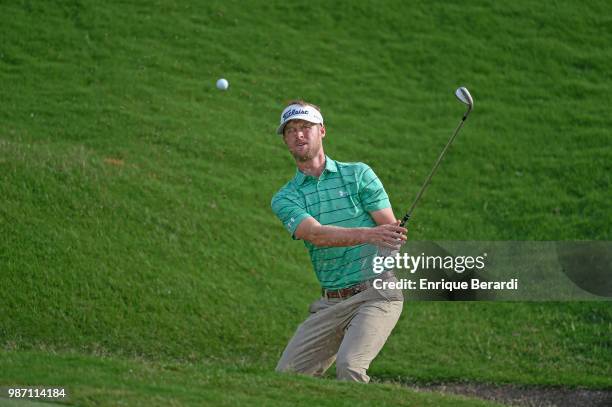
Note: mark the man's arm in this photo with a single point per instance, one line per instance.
(383, 216)
(384, 235)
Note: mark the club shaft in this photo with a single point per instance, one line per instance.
(406, 217)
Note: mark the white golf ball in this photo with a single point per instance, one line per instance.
(222, 84)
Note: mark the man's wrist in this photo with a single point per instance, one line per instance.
(364, 235)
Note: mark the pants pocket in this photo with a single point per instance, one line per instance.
(391, 294)
(316, 306)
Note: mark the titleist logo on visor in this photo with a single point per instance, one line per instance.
(294, 112)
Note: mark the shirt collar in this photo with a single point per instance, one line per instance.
(330, 166)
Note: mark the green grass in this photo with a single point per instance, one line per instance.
(137, 382)
(135, 219)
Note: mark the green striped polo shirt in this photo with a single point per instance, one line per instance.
(343, 196)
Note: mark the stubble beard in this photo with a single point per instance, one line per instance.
(309, 154)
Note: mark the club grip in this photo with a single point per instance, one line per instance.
(405, 220)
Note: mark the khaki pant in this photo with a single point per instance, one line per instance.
(350, 332)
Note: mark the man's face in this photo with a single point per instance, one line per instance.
(304, 139)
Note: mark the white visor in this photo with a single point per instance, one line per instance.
(299, 112)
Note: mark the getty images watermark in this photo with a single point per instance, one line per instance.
(453, 264)
(500, 270)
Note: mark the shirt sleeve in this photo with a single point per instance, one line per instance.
(290, 211)
(371, 191)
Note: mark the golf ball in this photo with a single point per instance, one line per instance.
(222, 84)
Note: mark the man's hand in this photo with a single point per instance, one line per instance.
(390, 236)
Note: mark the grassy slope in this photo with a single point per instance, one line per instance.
(135, 216)
(109, 381)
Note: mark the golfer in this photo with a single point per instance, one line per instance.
(342, 213)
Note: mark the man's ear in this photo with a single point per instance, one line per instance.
(322, 130)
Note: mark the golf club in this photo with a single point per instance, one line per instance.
(464, 97)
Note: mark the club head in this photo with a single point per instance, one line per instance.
(464, 97)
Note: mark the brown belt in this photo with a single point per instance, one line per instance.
(345, 292)
(354, 289)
